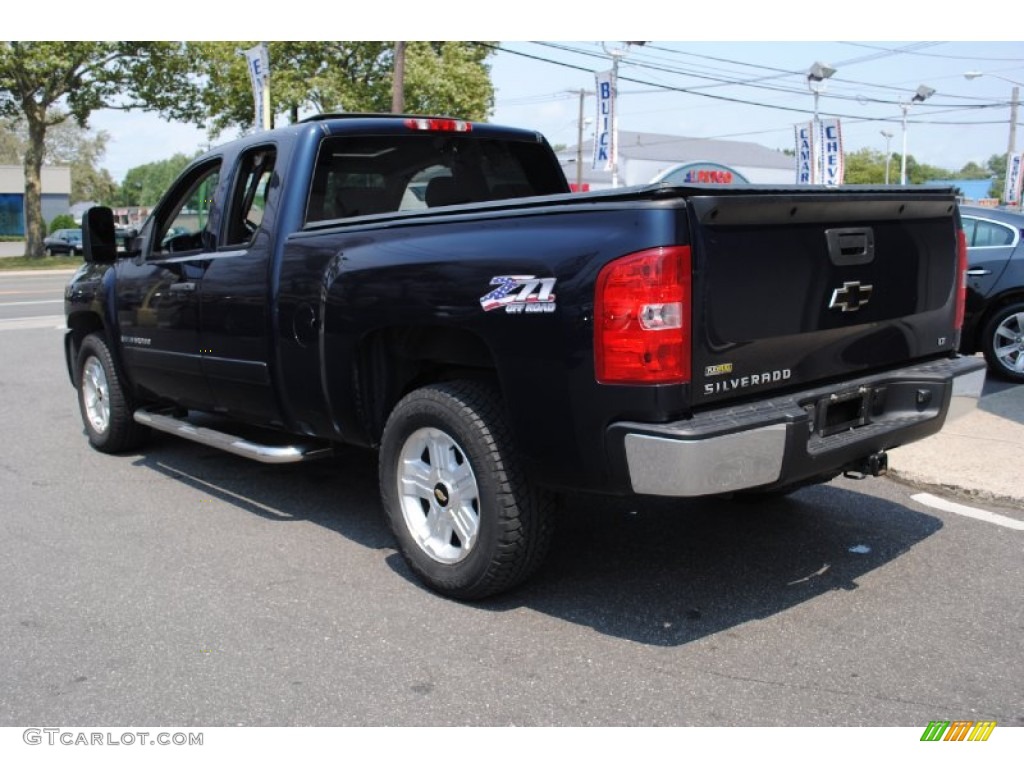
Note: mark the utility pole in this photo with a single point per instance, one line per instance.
(398, 80)
(579, 145)
(1014, 102)
(617, 54)
(923, 92)
(888, 156)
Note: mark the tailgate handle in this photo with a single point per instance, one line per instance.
(851, 246)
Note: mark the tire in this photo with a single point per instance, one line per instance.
(48, 251)
(467, 521)
(104, 403)
(1002, 341)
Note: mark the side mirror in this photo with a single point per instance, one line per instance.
(98, 241)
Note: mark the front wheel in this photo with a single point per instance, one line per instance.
(106, 407)
(467, 520)
(1003, 342)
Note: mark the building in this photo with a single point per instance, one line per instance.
(649, 157)
(971, 191)
(56, 196)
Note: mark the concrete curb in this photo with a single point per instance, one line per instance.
(977, 457)
(975, 495)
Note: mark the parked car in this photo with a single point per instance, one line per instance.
(994, 314)
(64, 242)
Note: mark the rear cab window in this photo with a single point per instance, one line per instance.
(366, 175)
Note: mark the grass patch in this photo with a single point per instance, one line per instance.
(46, 262)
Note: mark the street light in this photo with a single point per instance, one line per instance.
(816, 77)
(888, 154)
(1014, 101)
(923, 92)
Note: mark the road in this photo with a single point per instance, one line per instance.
(185, 586)
(31, 300)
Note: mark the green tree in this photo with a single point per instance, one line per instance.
(997, 168)
(48, 83)
(867, 166)
(144, 184)
(68, 144)
(61, 221)
(973, 171)
(449, 78)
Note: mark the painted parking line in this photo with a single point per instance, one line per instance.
(27, 303)
(29, 323)
(961, 509)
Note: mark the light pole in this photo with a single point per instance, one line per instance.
(1011, 147)
(816, 77)
(888, 154)
(923, 92)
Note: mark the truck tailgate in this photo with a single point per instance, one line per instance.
(799, 288)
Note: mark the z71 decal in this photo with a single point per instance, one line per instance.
(520, 293)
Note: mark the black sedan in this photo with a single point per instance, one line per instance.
(64, 241)
(994, 321)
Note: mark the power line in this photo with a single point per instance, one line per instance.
(935, 55)
(747, 102)
(720, 82)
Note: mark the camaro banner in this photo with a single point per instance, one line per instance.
(604, 143)
(804, 133)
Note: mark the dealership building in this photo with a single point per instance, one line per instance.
(652, 157)
(56, 196)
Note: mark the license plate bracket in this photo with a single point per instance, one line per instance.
(843, 411)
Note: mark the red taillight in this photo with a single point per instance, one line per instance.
(438, 124)
(961, 278)
(642, 318)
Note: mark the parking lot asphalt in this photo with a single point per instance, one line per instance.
(977, 456)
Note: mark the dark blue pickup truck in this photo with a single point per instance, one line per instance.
(429, 288)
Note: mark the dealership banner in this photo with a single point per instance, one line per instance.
(830, 140)
(258, 60)
(804, 133)
(1012, 191)
(604, 141)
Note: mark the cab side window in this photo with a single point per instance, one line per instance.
(249, 197)
(188, 221)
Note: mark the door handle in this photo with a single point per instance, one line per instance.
(188, 287)
(978, 272)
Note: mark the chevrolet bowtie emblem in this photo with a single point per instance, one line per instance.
(851, 297)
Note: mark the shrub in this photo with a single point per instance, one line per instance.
(61, 221)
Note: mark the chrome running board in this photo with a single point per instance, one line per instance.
(267, 454)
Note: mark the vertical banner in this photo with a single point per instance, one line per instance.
(1012, 190)
(833, 166)
(258, 60)
(804, 153)
(604, 145)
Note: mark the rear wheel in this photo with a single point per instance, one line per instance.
(107, 410)
(467, 520)
(1003, 342)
